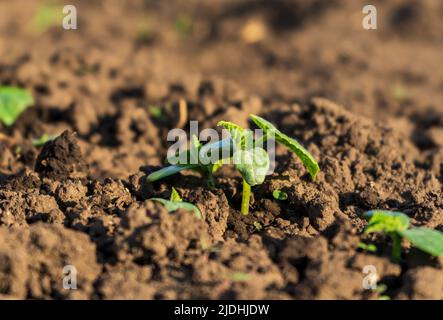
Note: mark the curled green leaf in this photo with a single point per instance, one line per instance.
(272, 132)
(279, 195)
(172, 206)
(175, 196)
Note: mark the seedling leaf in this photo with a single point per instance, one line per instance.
(306, 158)
(386, 221)
(172, 206)
(252, 164)
(13, 101)
(279, 195)
(168, 171)
(175, 197)
(428, 240)
(42, 140)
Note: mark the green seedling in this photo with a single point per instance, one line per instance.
(248, 155)
(175, 202)
(257, 226)
(396, 226)
(43, 139)
(156, 112)
(13, 102)
(279, 195)
(196, 159)
(367, 247)
(253, 162)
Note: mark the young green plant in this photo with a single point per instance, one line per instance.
(396, 226)
(252, 161)
(196, 159)
(247, 153)
(175, 202)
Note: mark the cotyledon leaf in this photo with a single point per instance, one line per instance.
(253, 165)
(172, 206)
(271, 131)
(428, 240)
(13, 101)
(385, 221)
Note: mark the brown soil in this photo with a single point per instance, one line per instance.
(367, 104)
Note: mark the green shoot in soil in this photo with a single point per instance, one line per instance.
(13, 101)
(248, 155)
(279, 195)
(396, 226)
(253, 162)
(43, 139)
(175, 202)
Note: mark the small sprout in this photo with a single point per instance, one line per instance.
(279, 195)
(257, 226)
(43, 139)
(176, 202)
(367, 247)
(248, 155)
(381, 288)
(175, 197)
(13, 102)
(156, 112)
(396, 226)
(253, 162)
(239, 276)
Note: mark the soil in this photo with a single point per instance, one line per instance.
(367, 104)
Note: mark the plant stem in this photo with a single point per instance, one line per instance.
(396, 245)
(246, 195)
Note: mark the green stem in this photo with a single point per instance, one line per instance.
(246, 195)
(396, 245)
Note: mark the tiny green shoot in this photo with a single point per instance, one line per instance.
(175, 202)
(396, 226)
(39, 142)
(279, 195)
(247, 153)
(13, 102)
(367, 247)
(257, 226)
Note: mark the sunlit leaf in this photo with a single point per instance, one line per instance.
(386, 221)
(428, 240)
(279, 195)
(13, 101)
(172, 206)
(175, 197)
(271, 131)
